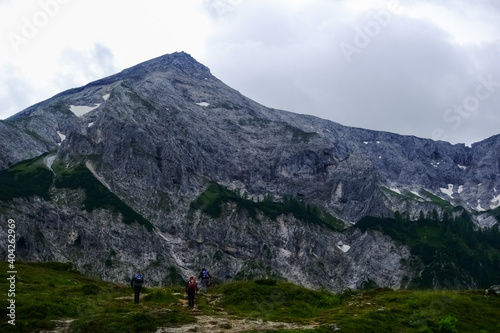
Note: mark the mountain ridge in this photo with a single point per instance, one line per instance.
(157, 135)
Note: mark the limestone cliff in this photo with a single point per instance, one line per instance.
(157, 135)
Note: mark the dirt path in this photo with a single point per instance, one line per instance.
(224, 322)
(228, 323)
(62, 326)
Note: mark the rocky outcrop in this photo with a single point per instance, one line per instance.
(235, 246)
(156, 134)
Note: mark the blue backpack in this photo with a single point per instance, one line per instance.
(138, 278)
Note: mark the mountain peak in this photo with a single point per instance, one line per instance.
(162, 162)
(175, 63)
(178, 60)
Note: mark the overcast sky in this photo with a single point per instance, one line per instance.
(428, 68)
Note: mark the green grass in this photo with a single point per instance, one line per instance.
(25, 179)
(97, 195)
(54, 291)
(211, 202)
(274, 300)
(32, 178)
(437, 200)
(376, 310)
(454, 253)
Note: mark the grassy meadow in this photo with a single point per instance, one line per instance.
(49, 293)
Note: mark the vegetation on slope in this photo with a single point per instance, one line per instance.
(53, 291)
(32, 178)
(211, 200)
(97, 195)
(496, 213)
(454, 252)
(375, 310)
(48, 292)
(25, 179)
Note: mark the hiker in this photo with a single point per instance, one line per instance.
(191, 289)
(205, 279)
(136, 284)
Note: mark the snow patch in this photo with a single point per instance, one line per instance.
(435, 164)
(462, 167)
(378, 142)
(62, 136)
(343, 247)
(105, 97)
(80, 110)
(395, 190)
(416, 193)
(90, 125)
(460, 189)
(285, 253)
(448, 191)
(203, 104)
(366, 142)
(478, 207)
(49, 160)
(495, 202)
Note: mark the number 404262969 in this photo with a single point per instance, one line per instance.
(11, 240)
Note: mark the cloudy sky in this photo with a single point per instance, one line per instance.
(428, 68)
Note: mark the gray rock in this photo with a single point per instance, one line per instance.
(156, 133)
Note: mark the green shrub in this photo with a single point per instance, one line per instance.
(90, 289)
(97, 195)
(161, 296)
(447, 325)
(266, 282)
(413, 304)
(211, 200)
(25, 179)
(453, 251)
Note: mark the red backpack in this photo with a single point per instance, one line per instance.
(192, 285)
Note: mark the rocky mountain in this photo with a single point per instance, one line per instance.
(164, 167)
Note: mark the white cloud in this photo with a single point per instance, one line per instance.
(78, 67)
(426, 57)
(402, 79)
(14, 89)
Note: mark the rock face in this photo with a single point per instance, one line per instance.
(156, 134)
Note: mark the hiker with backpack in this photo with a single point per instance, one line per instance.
(136, 284)
(205, 279)
(191, 290)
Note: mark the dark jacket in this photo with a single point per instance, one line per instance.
(202, 276)
(136, 281)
